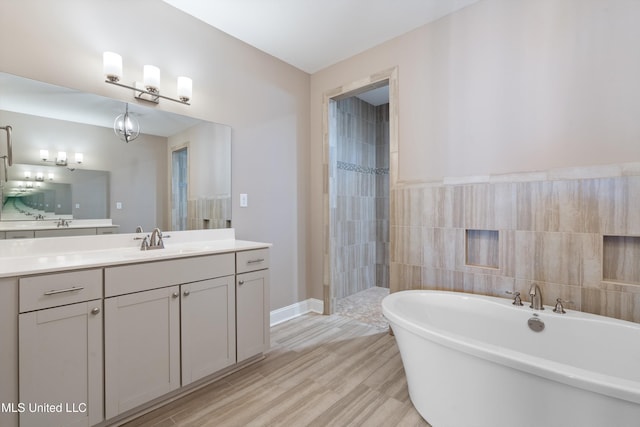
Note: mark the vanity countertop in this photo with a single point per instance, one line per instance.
(47, 255)
(50, 224)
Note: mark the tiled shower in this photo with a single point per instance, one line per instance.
(360, 210)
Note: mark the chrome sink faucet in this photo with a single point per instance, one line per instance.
(155, 241)
(536, 297)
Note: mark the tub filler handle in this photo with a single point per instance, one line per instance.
(560, 305)
(516, 297)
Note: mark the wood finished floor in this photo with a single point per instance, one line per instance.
(320, 371)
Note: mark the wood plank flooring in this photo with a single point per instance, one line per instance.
(320, 371)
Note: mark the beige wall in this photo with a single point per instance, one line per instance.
(501, 86)
(265, 101)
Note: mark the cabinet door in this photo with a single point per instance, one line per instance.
(208, 327)
(252, 308)
(142, 348)
(60, 365)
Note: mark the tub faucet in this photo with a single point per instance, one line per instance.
(536, 297)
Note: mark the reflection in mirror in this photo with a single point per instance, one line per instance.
(135, 186)
(50, 192)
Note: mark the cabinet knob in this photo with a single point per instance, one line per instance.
(241, 282)
(175, 294)
(186, 293)
(95, 310)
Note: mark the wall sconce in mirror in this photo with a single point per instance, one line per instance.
(61, 158)
(149, 90)
(38, 178)
(126, 127)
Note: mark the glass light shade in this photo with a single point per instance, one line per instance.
(51, 176)
(112, 66)
(40, 176)
(152, 78)
(79, 157)
(62, 157)
(44, 154)
(185, 88)
(27, 175)
(126, 127)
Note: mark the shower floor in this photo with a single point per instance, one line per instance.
(365, 307)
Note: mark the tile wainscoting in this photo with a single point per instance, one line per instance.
(575, 232)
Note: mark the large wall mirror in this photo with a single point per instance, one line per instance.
(175, 175)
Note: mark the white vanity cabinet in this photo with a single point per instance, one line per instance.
(208, 327)
(143, 322)
(19, 234)
(252, 303)
(142, 348)
(60, 349)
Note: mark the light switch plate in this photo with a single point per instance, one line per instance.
(244, 200)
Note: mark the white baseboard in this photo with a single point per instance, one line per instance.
(311, 305)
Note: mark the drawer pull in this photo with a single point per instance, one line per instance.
(63, 291)
(241, 282)
(95, 310)
(255, 261)
(186, 293)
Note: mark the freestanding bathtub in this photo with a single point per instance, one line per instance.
(473, 361)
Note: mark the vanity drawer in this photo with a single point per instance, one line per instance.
(127, 279)
(257, 259)
(52, 290)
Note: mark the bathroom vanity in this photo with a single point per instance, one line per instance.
(55, 228)
(98, 334)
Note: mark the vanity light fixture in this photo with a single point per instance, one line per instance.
(61, 158)
(126, 127)
(149, 90)
(39, 176)
(27, 175)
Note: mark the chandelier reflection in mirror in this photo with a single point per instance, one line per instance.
(126, 127)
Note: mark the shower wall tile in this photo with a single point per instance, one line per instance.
(359, 209)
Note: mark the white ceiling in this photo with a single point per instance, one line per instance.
(314, 34)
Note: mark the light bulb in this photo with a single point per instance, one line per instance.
(185, 88)
(112, 66)
(152, 78)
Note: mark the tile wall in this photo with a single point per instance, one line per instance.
(209, 213)
(574, 232)
(360, 217)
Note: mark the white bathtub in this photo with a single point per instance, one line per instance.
(472, 361)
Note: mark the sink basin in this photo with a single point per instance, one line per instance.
(151, 253)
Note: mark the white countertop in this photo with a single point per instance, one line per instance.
(50, 224)
(46, 255)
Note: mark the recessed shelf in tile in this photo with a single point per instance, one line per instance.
(621, 259)
(482, 248)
